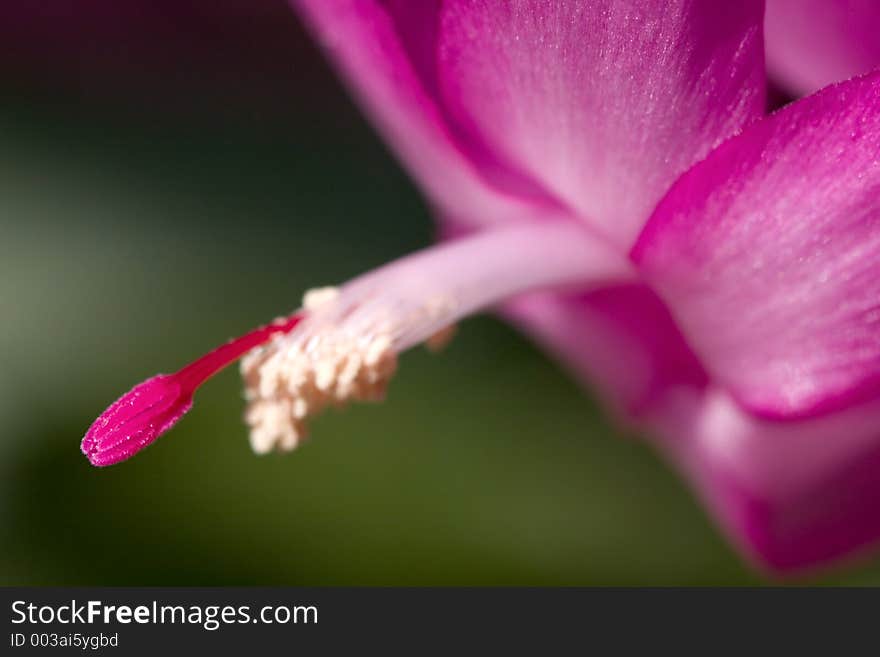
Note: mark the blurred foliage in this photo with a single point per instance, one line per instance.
(132, 242)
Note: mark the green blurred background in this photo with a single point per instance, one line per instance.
(160, 195)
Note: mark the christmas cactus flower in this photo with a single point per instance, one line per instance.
(812, 43)
(603, 174)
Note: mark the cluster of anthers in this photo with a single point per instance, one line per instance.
(328, 360)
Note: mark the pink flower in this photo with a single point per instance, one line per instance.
(603, 173)
(812, 43)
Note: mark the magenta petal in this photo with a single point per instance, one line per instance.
(792, 495)
(813, 43)
(602, 102)
(384, 50)
(497, 107)
(620, 339)
(768, 254)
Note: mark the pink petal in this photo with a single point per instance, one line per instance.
(499, 107)
(792, 495)
(384, 50)
(768, 254)
(812, 43)
(621, 339)
(603, 102)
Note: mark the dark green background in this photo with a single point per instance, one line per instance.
(134, 238)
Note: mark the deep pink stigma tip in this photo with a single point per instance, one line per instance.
(135, 420)
(151, 408)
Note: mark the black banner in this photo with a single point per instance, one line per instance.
(147, 620)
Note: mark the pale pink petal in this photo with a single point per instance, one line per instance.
(792, 495)
(384, 50)
(813, 43)
(602, 102)
(768, 254)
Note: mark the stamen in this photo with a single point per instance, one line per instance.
(287, 382)
(345, 342)
(151, 408)
(347, 347)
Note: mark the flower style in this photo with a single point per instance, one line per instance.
(603, 173)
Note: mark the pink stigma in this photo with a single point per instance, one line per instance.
(151, 408)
